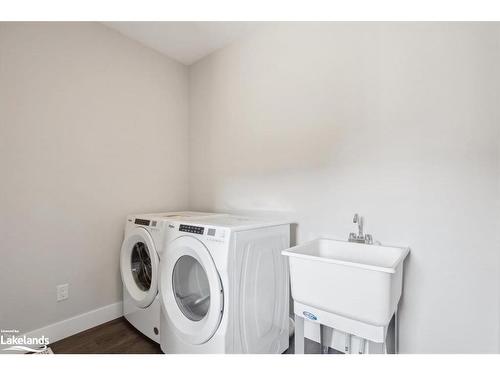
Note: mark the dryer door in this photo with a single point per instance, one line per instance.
(139, 267)
(191, 290)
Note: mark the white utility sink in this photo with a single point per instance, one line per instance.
(356, 281)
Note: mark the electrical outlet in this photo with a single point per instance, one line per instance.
(62, 292)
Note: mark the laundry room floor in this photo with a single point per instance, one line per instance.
(119, 337)
(114, 337)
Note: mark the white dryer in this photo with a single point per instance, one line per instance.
(139, 266)
(224, 286)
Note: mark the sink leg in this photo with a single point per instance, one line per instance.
(347, 345)
(322, 339)
(299, 335)
(362, 345)
(396, 332)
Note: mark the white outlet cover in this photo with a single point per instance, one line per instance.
(62, 292)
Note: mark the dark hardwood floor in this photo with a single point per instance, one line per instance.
(114, 337)
(120, 337)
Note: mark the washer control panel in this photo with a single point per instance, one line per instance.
(191, 229)
(145, 222)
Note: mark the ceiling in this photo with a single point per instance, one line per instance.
(186, 42)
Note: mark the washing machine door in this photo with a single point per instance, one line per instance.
(191, 291)
(139, 264)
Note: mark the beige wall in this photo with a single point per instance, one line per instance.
(398, 122)
(93, 126)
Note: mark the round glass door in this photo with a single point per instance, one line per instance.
(191, 292)
(191, 288)
(141, 266)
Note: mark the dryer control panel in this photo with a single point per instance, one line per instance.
(191, 229)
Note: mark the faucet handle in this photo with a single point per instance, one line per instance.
(368, 239)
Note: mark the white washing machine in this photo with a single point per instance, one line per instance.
(139, 267)
(224, 286)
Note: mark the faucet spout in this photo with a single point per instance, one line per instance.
(360, 226)
(360, 237)
(358, 220)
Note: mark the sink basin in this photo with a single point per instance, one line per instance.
(356, 281)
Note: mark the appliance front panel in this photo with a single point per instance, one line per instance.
(190, 290)
(139, 266)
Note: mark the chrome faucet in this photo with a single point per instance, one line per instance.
(360, 237)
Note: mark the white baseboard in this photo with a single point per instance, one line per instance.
(78, 323)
